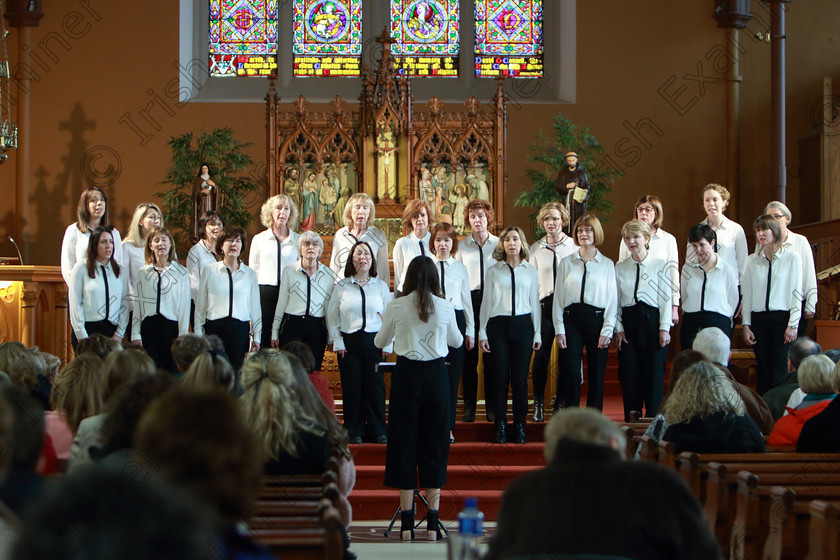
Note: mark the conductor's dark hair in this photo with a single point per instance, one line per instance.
(422, 277)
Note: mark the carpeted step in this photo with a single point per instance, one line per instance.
(483, 431)
(468, 453)
(382, 504)
(458, 477)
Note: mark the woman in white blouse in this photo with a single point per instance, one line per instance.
(417, 217)
(358, 216)
(354, 316)
(709, 288)
(203, 253)
(271, 252)
(302, 304)
(800, 245)
(161, 302)
(146, 216)
(476, 253)
(643, 322)
(585, 301)
(228, 300)
(455, 288)
(731, 240)
(772, 302)
(91, 213)
(509, 328)
(662, 245)
(98, 288)
(546, 255)
(418, 451)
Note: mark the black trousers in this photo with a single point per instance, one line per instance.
(641, 361)
(104, 327)
(693, 323)
(157, 333)
(511, 340)
(235, 335)
(362, 387)
(268, 306)
(418, 425)
(802, 329)
(583, 329)
(770, 348)
(542, 357)
(312, 331)
(469, 373)
(455, 361)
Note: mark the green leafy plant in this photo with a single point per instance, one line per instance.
(228, 162)
(551, 154)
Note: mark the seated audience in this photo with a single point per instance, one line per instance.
(53, 364)
(23, 427)
(778, 396)
(98, 344)
(821, 434)
(582, 504)
(322, 386)
(76, 395)
(715, 346)
(221, 470)
(185, 348)
(21, 366)
(706, 415)
(209, 370)
(817, 380)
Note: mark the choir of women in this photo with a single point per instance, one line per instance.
(415, 241)
(91, 213)
(358, 216)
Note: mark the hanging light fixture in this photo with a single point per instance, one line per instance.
(8, 129)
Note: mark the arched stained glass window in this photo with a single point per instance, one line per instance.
(327, 38)
(509, 38)
(425, 34)
(243, 37)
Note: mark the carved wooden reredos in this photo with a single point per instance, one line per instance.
(387, 148)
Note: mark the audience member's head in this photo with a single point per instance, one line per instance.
(26, 433)
(713, 344)
(103, 513)
(584, 425)
(816, 375)
(77, 391)
(186, 347)
(53, 365)
(221, 467)
(801, 348)
(98, 344)
(682, 362)
(701, 391)
(19, 364)
(833, 354)
(124, 367)
(303, 353)
(210, 370)
(127, 405)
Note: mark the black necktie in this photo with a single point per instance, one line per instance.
(703, 291)
(107, 294)
(553, 267)
(442, 279)
(512, 292)
(364, 312)
(767, 295)
(583, 282)
(422, 249)
(636, 287)
(230, 292)
(157, 305)
(279, 259)
(481, 267)
(308, 292)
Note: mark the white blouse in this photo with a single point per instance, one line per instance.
(731, 246)
(415, 339)
(352, 308)
(302, 295)
(161, 292)
(547, 262)
(405, 249)
(477, 259)
(88, 301)
(498, 295)
(455, 286)
(715, 290)
(75, 245)
(134, 258)
(785, 278)
(263, 256)
(653, 288)
(199, 258)
(343, 241)
(599, 291)
(222, 294)
(800, 245)
(663, 246)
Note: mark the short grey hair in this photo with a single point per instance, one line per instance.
(309, 236)
(714, 344)
(780, 206)
(585, 425)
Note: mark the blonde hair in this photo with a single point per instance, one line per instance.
(347, 216)
(121, 368)
(701, 391)
(208, 370)
(635, 227)
(269, 405)
(154, 232)
(524, 252)
(816, 374)
(589, 220)
(270, 204)
(135, 233)
(548, 207)
(77, 390)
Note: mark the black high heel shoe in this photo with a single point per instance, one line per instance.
(433, 526)
(407, 525)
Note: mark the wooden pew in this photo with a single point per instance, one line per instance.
(823, 533)
(303, 540)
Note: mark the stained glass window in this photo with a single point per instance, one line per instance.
(327, 38)
(243, 37)
(509, 38)
(425, 34)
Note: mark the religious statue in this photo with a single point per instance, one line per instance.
(427, 190)
(291, 186)
(310, 197)
(386, 164)
(459, 200)
(205, 195)
(572, 183)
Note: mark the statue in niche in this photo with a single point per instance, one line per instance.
(573, 184)
(478, 185)
(458, 198)
(309, 195)
(427, 190)
(205, 195)
(386, 162)
(440, 180)
(291, 186)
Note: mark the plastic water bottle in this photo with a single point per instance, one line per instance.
(470, 531)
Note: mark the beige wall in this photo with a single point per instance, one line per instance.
(107, 63)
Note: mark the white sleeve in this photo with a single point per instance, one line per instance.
(121, 258)
(125, 304)
(809, 278)
(334, 318)
(484, 311)
(399, 259)
(623, 251)
(254, 254)
(254, 304)
(672, 267)
(136, 318)
(385, 336)
(383, 269)
(536, 310)
(466, 298)
(666, 296)
(741, 252)
(201, 301)
(746, 295)
(454, 338)
(68, 252)
(611, 308)
(77, 310)
(184, 302)
(282, 300)
(559, 304)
